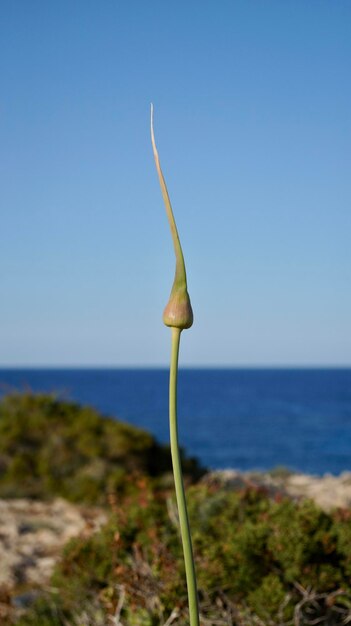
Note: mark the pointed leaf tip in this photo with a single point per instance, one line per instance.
(178, 312)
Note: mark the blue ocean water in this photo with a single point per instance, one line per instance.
(239, 418)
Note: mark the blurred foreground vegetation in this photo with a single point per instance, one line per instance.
(50, 448)
(260, 561)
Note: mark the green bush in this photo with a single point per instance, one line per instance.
(260, 561)
(49, 448)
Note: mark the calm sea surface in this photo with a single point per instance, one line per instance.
(240, 418)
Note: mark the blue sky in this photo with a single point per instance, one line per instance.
(253, 124)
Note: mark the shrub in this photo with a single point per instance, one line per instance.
(258, 562)
(49, 447)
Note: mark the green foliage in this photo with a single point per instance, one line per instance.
(256, 558)
(49, 447)
(267, 600)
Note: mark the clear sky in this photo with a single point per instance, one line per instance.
(253, 123)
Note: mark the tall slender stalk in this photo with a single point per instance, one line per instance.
(179, 485)
(178, 315)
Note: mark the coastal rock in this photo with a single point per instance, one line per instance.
(328, 491)
(32, 535)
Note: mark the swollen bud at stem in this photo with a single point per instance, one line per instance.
(178, 312)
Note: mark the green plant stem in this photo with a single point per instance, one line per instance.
(179, 485)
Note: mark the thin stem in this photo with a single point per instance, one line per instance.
(179, 485)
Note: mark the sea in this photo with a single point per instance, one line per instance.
(246, 419)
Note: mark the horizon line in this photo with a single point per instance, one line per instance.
(76, 366)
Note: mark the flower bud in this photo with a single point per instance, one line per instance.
(178, 312)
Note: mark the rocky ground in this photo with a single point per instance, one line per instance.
(327, 491)
(32, 534)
